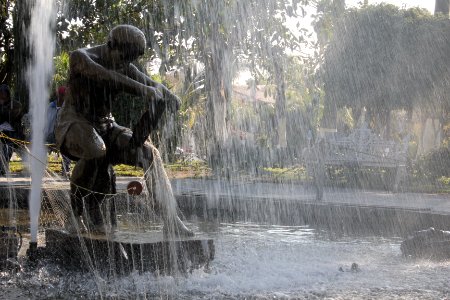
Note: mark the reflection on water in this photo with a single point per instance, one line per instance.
(259, 262)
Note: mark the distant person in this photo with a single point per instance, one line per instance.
(10, 115)
(52, 113)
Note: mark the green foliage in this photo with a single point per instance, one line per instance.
(385, 58)
(244, 116)
(345, 118)
(125, 170)
(178, 169)
(6, 42)
(61, 74)
(327, 12)
(94, 20)
(16, 167)
(435, 165)
(193, 99)
(180, 33)
(188, 169)
(295, 173)
(298, 96)
(127, 108)
(215, 38)
(444, 180)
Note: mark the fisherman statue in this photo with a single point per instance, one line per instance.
(87, 132)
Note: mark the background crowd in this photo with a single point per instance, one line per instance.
(15, 128)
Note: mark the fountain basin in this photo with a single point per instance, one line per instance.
(124, 252)
(345, 218)
(256, 261)
(349, 211)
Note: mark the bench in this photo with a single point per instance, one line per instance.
(362, 148)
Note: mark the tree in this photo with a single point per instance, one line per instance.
(178, 33)
(22, 52)
(6, 42)
(383, 58)
(266, 47)
(328, 13)
(442, 7)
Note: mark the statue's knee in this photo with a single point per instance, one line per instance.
(91, 146)
(96, 153)
(87, 151)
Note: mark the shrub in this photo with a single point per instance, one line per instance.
(435, 164)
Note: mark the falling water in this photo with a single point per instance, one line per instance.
(42, 44)
(272, 240)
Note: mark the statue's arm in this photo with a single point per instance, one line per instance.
(137, 75)
(82, 63)
(141, 77)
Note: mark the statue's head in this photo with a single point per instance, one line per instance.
(128, 41)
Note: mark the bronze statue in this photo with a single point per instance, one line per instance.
(87, 132)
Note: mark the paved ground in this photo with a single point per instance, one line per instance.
(213, 189)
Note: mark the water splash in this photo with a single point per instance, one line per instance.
(42, 42)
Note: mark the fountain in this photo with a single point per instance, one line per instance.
(42, 42)
(257, 235)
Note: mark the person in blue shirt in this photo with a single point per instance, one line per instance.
(52, 113)
(10, 115)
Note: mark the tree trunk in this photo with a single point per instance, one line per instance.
(217, 110)
(420, 146)
(442, 7)
(22, 52)
(339, 7)
(359, 116)
(218, 63)
(388, 134)
(280, 106)
(218, 87)
(6, 67)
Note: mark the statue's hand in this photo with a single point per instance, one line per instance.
(172, 101)
(160, 99)
(153, 94)
(155, 101)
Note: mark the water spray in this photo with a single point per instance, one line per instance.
(39, 74)
(10, 244)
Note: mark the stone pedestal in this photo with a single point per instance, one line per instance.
(429, 243)
(125, 252)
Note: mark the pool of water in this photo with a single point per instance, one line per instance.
(258, 262)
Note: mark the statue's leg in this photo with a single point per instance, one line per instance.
(84, 201)
(92, 183)
(148, 122)
(90, 178)
(147, 157)
(142, 129)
